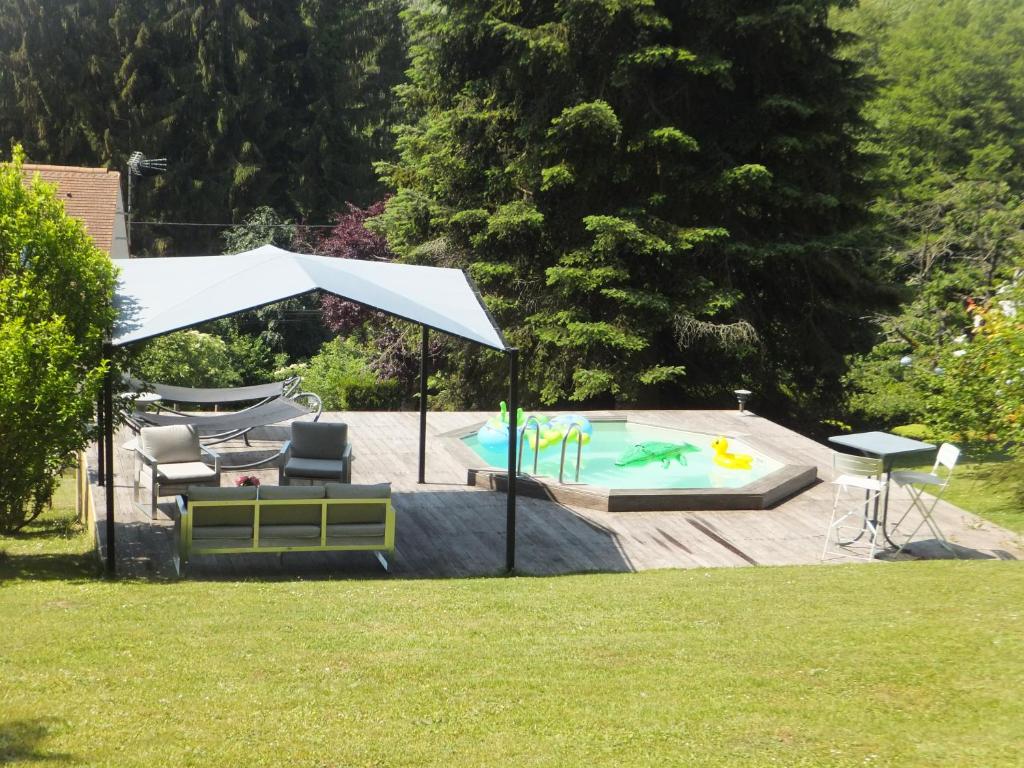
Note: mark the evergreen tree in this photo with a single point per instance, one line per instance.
(657, 198)
(252, 102)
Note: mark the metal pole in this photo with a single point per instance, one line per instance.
(513, 433)
(101, 476)
(108, 438)
(424, 370)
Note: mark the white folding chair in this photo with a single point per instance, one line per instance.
(916, 483)
(858, 486)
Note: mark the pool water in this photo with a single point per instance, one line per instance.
(611, 439)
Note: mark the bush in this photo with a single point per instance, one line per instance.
(341, 375)
(187, 359)
(56, 305)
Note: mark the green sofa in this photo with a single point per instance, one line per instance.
(270, 518)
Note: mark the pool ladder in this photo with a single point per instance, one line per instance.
(522, 439)
(579, 450)
(535, 422)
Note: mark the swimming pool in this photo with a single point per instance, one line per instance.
(699, 485)
(612, 439)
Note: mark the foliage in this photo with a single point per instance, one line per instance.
(56, 292)
(949, 122)
(350, 239)
(703, 668)
(256, 103)
(987, 373)
(624, 177)
(187, 359)
(291, 327)
(343, 378)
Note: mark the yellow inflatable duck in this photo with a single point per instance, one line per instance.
(728, 460)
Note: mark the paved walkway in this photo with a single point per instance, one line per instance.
(447, 529)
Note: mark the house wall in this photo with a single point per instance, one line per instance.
(119, 241)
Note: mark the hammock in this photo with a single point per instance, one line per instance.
(278, 401)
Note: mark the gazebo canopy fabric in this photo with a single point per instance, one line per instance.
(157, 296)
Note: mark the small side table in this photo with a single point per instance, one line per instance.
(888, 448)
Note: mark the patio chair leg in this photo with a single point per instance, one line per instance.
(383, 561)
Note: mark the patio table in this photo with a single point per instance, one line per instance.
(889, 448)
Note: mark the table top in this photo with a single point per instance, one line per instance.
(881, 444)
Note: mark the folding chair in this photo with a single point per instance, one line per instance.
(858, 484)
(937, 480)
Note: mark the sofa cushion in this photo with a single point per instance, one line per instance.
(358, 491)
(268, 532)
(204, 532)
(355, 531)
(357, 504)
(172, 444)
(325, 468)
(220, 515)
(185, 472)
(318, 440)
(305, 511)
(201, 493)
(281, 492)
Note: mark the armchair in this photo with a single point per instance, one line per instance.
(173, 458)
(318, 452)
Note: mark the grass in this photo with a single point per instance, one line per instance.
(992, 487)
(891, 664)
(55, 546)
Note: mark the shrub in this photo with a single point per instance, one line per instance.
(56, 305)
(187, 359)
(341, 375)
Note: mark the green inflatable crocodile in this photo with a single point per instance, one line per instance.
(645, 453)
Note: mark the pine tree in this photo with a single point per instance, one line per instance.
(657, 198)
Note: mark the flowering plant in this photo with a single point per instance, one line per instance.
(247, 480)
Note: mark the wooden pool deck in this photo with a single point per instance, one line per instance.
(445, 528)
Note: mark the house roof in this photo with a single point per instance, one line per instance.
(89, 195)
(158, 296)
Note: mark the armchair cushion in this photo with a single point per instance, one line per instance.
(171, 445)
(318, 440)
(302, 467)
(185, 472)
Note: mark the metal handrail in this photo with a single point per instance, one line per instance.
(579, 450)
(522, 439)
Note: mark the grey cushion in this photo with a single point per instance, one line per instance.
(220, 516)
(176, 443)
(288, 531)
(303, 511)
(327, 468)
(243, 493)
(185, 472)
(278, 492)
(349, 491)
(318, 440)
(356, 530)
(201, 533)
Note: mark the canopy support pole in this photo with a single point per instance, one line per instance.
(513, 434)
(101, 475)
(424, 370)
(108, 439)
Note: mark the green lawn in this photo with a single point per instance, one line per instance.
(914, 663)
(992, 488)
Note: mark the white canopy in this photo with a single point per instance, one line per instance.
(157, 296)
